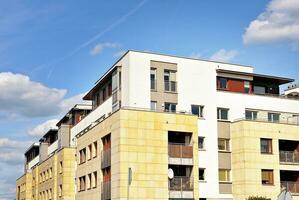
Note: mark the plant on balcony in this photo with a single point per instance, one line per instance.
(257, 198)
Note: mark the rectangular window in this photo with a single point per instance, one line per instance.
(89, 181)
(50, 193)
(60, 167)
(169, 81)
(267, 177)
(170, 107)
(60, 190)
(94, 179)
(250, 115)
(82, 153)
(153, 79)
(259, 90)
(222, 83)
(223, 144)
(82, 183)
(89, 152)
(50, 172)
(201, 174)
(197, 110)
(222, 113)
(224, 175)
(266, 145)
(246, 87)
(201, 143)
(153, 105)
(95, 150)
(273, 117)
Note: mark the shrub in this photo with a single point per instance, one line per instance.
(258, 198)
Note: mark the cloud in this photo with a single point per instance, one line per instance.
(41, 129)
(22, 96)
(278, 23)
(224, 56)
(195, 55)
(97, 49)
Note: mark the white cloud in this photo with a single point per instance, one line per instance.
(195, 55)
(119, 53)
(41, 129)
(22, 96)
(97, 49)
(278, 23)
(224, 56)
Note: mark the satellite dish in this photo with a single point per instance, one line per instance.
(285, 195)
(170, 173)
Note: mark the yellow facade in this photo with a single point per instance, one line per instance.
(247, 160)
(139, 140)
(44, 180)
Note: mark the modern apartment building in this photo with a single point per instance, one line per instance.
(168, 127)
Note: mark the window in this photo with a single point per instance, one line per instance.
(223, 144)
(246, 87)
(224, 175)
(60, 167)
(170, 107)
(267, 177)
(222, 113)
(273, 117)
(82, 183)
(47, 174)
(60, 190)
(266, 145)
(95, 150)
(201, 174)
(50, 172)
(169, 81)
(222, 83)
(197, 110)
(89, 153)
(82, 153)
(50, 193)
(259, 90)
(201, 142)
(153, 79)
(153, 105)
(89, 181)
(94, 179)
(250, 115)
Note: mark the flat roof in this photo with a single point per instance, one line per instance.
(35, 144)
(51, 131)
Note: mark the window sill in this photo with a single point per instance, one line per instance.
(223, 120)
(267, 153)
(225, 182)
(223, 151)
(269, 184)
(201, 149)
(202, 181)
(170, 92)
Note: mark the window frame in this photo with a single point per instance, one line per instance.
(155, 105)
(226, 145)
(203, 143)
(227, 176)
(253, 115)
(200, 110)
(219, 113)
(271, 178)
(170, 106)
(203, 175)
(271, 117)
(270, 148)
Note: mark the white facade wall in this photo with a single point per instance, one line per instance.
(53, 147)
(33, 162)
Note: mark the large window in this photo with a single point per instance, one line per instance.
(222, 83)
(224, 175)
(153, 79)
(223, 144)
(273, 117)
(267, 177)
(250, 115)
(201, 144)
(201, 174)
(222, 113)
(82, 153)
(197, 110)
(266, 145)
(169, 81)
(170, 107)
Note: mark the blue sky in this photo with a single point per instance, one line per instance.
(51, 52)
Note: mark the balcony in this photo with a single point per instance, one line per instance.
(106, 158)
(180, 154)
(292, 187)
(106, 190)
(170, 86)
(181, 187)
(290, 120)
(288, 157)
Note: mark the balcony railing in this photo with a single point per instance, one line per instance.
(180, 150)
(290, 120)
(291, 187)
(106, 158)
(106, 190)
(181, 184)
(288, 157)
(170, 86)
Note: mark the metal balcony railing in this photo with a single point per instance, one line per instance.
(288, 157)
(106, 158)
(106, 190)
(170, 86)
(153, 84)
(291, 187)
(290, 120)
(177, 150)
(181, 184)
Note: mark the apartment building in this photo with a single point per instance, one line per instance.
(168, 127)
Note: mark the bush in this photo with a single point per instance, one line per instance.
(257, 198)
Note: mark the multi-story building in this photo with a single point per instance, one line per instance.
(168, 127)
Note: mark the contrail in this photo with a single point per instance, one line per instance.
(94, 38)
